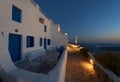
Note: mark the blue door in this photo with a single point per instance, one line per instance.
(15, 47)
(45, 44)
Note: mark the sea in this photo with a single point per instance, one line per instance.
(102, 48)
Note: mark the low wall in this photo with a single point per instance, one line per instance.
(55, 75)
(105, 75)
(102, 75)
(58, 73)
(5, 59)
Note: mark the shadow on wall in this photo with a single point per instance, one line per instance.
(60, 50)
(5, 77)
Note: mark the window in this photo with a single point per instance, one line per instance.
(16, 14)
(30, 41)
(40, 41)
(45, 28)
(49, 41)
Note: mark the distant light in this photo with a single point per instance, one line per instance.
(91, 61)
(66, 34)
(81, 47)
(73, 45)
(76, 40)
(59, 29)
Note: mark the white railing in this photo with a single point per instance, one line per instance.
(110, 74)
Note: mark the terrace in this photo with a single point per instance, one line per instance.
(43, 63)
(31, 71)
(52, 70)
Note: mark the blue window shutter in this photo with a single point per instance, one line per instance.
(40, 41)
(49, 42)
(16, 14)
(45, 28)
(30, 41)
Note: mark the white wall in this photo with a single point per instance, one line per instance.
(58, 38)
(5, 59)
(30, 23)
(30, 26)
(58, 73)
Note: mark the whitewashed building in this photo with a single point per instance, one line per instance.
(25, 28)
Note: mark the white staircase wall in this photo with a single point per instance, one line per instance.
(5, 60)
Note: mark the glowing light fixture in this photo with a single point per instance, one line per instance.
(41, 20)
(66, 34)
(59, 29)
(91, 61)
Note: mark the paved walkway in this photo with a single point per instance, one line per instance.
(79, 69)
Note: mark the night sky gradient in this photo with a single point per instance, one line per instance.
(90, 20)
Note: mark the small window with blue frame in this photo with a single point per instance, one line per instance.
(16, 14)
(49, 41)
(41, 41)
(45, 28)
(30, 41)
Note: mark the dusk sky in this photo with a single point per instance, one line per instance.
(90, 20)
